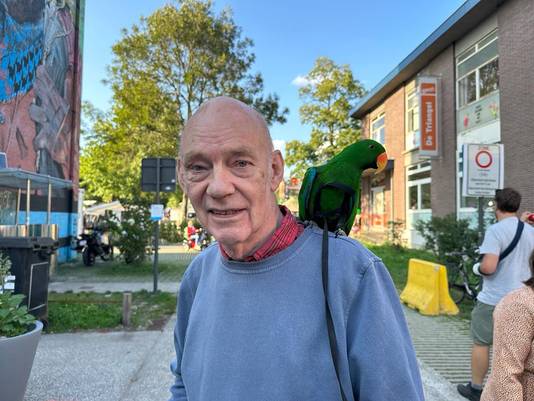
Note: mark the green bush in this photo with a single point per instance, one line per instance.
(444, 235)
(133, 233)
(170, 232)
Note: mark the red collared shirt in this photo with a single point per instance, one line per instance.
(283, 236)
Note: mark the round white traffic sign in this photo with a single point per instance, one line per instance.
(483, 159)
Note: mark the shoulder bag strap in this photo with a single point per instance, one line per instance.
(329, 321)
(514, 242)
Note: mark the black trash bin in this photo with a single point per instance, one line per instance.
(30, 264)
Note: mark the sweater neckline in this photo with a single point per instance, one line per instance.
(271, 262)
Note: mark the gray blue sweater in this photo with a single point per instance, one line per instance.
(257, 331)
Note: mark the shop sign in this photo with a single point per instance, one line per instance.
(428, 114)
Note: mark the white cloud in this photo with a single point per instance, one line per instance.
(301, 81)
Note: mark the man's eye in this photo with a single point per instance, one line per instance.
(195, 168)
(242, 163)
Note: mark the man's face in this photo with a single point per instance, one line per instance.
(229, 171)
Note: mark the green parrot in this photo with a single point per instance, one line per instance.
(332, 191)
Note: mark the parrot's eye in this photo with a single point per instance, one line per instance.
(371, 146)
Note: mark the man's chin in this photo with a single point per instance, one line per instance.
(228, 237)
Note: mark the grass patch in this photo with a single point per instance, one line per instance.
(117, 268)
(70, 312)
(396, 260)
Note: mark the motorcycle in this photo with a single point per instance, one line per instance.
(204, 239)
(91, 245)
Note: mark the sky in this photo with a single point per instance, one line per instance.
(372, 37)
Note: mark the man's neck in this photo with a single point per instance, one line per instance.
(241, 251)
(504, 215)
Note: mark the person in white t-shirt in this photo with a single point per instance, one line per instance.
(499, 278)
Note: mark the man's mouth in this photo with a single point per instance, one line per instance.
(224, 212)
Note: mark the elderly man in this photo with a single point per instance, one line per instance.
(251, 318)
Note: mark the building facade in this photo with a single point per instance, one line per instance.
(482, 61)
(40, 92)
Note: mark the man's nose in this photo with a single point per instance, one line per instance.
(221, 184)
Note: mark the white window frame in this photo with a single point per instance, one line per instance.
(473, 50)
(413, 136)
(379, 134)
(419, 168)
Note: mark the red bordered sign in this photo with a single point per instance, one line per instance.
(483, 169)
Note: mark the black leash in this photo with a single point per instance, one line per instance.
(329, 322)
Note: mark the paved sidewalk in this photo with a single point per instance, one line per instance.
(116, 366)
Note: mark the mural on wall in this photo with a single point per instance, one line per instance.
(40, 70)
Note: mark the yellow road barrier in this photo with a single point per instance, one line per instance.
(427, 289)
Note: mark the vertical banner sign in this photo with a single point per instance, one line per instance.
(428, 114)
(483, 169)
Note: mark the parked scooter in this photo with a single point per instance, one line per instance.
(91, 246)
(204, 239)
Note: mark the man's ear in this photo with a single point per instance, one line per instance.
(277, 166)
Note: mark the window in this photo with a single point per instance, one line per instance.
(378, 129)
(412, 120)
(477, 69)
(8, 206)
(419, 191)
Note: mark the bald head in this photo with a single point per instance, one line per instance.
(229, 170)
(225, 113)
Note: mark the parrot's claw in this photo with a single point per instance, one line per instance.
(339, 232)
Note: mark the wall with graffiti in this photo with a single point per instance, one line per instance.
(40, 76)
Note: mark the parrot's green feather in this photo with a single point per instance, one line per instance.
(318, 197)
(305, 192)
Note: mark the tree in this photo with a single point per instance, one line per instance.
(330, 92)
(163, 68)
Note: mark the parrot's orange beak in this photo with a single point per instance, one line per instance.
(381, 162)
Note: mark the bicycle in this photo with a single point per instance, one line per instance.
(462, 281)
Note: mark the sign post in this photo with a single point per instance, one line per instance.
(483, 174)
(157, 174)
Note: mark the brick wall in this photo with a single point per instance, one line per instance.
(516, 82)
(443, 168)
(394, 108)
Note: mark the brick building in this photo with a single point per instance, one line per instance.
(481, 60)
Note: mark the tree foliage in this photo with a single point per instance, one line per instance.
(163, 68)
(330, 92)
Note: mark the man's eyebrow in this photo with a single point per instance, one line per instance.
(244, 151)
(191, 155)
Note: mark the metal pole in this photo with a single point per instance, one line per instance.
(19, 191)
(480, 219)
(49, 207)
(156, 231)
(28, 189)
